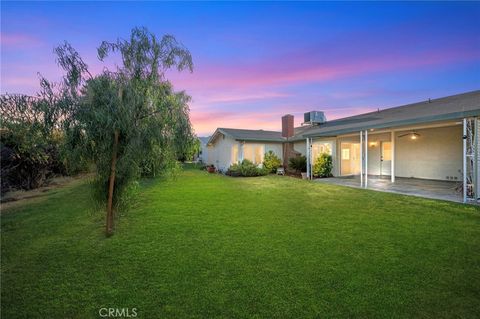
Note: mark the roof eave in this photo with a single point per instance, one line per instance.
(425, 119)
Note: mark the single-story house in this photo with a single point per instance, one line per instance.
(436, 139)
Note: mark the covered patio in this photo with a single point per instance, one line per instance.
(435, 189)
(429, 149)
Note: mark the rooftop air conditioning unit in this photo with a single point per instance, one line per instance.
(314, 117)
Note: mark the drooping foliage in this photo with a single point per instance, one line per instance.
(127, 121)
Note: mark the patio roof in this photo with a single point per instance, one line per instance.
(446, 108)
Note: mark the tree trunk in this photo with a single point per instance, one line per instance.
(109, 221)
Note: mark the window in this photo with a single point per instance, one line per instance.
(235, 153)
(345, 154)
(253, 153)
(321, 148)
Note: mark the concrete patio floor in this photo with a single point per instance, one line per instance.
(444, 190)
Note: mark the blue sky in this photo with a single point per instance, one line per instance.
(255, 61)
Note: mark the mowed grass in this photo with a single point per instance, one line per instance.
(210, 246)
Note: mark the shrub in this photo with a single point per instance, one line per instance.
(246, 169)
(298, 163)
(323, 166)
(271, 162)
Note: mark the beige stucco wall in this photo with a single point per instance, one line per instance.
(301, 147)
(436, 154)
(342, 139)
(374, 152)
(220, 153)
(276, 148)
(333, 144)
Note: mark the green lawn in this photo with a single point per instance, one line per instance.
(205, 246)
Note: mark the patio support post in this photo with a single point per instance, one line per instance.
(392, 162)
(361, 158)
(475, 157)
(464, 160)
(307, 151)
(366, 158)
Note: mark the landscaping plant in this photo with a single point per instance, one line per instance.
(299, 164)
(246, 168)
(271, 162)
(323, 166)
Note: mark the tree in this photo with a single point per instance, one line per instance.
(130, 114)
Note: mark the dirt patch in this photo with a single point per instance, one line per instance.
(20, 197)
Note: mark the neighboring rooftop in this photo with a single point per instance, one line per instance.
(204, 139)
(249, 135)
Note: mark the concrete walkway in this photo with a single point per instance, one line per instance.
(444, 190)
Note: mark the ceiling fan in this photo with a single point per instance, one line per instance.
(413, 135)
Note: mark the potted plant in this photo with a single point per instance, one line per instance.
(299, 164)
(211, 168)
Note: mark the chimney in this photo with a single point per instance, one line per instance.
(287, 126)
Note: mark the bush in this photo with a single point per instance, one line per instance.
(271, 162)
(323, 166)
(246, 169)
(298, 163)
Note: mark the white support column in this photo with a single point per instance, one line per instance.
(307, 153)
(311, 158)
(464, 160)
(392, 162)
(366, 158)
(476, 161)
(361, 158)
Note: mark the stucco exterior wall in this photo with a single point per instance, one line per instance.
(204, 155)
(276, 148)
(374, 152)
(333, 145)
(342, 139)
(220, 153)
(436, 154)
(300, 147)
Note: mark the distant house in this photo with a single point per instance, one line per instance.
(436, 139)
(203, 155)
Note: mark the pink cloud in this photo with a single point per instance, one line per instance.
(18, 40)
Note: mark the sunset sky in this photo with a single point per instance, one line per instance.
(255, 62)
